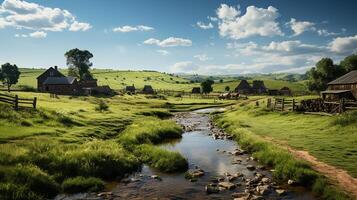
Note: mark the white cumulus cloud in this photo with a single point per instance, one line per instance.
(25, 15)
(344, 45)
(185, 66)
(256, 21)
(301, 26)
(163, 52)
(79, 26)
(169, 42)
(204, 26)
(38, 34)
(126, 29)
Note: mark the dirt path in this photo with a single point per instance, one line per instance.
(338, 176)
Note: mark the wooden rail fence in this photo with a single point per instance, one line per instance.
(282, 104)
(17, 102)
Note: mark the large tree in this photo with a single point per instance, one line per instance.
(324, 72)
(79, 64)
(349, 63)
(207, 86)
(9, 75)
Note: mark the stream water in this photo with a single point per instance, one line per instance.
(204, 152)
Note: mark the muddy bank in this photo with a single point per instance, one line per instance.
(218, 169)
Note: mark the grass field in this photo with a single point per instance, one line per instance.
(330, 139)
(70, 144)
(120, 79)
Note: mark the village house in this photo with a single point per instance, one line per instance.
(243, 87)
(53, 81)
(148, 89)
(196, 90)
(130, 89)
(259, 87)
(285, 91)
(344, 87)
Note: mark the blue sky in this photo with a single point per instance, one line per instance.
(201, 36)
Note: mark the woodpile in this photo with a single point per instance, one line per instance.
(316, 105)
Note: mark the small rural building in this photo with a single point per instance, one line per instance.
(285, 91)
(130, 89)
(90, 83)
(148, 89)
(50, 72)
(196, 90)
(61, 85)
(273, 92)
(243, 87)
(343, 87)
(259, 87)
(105, 90)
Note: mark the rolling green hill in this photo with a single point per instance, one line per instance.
(119, 79)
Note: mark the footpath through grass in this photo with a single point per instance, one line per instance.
(71, 144)
(330, 139)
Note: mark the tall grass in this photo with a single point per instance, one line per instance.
(161, 159)
(150, 130)
(82, 184)
(345, 119)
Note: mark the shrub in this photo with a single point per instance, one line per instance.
(163, 160)
(102, 106)
(82, 184)
(11, 191)
(345, 119)
(26, 123)
(32, 178)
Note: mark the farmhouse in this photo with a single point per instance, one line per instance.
(259, 87)
(285, 91)
(130, 89)
(243, 87)
(51, 72)
(148, 89)
(196, 90)
(343, 87)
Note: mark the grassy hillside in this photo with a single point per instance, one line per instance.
(119, 79)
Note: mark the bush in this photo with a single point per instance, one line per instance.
(82, 184)
(102, 106)
(163, 160)
(32, 179)
(345, 119)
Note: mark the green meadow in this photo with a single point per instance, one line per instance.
(73, 144)
(119, 79)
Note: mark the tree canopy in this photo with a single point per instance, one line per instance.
(349, 63)
(9, 75)
(79, 64)
(207, 86)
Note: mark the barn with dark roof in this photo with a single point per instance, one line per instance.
(243, 87)
(343, 87)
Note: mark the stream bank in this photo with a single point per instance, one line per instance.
(218, 169)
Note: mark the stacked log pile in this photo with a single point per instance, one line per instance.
(316, 105)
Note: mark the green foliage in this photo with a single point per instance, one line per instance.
(162, 114)
(102, 106)
(27, 88)
(82, 184)
(11, 191)
(79, 64)
(32, 178)
(9, 75)
(349, 63)
(150, 131)
(163, 160)
(345, 119)
(207, 86)
(227, 88)
(324, 72)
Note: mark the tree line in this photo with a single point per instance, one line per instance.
(326, 71)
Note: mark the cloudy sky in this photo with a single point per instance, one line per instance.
(201, 36)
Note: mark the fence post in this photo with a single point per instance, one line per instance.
(293, 105)
(34, 102)
(282, 105)
(274, 103)
(16, 102)
(269, 103)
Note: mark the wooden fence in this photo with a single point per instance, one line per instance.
(17, 102)
(282, 104)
